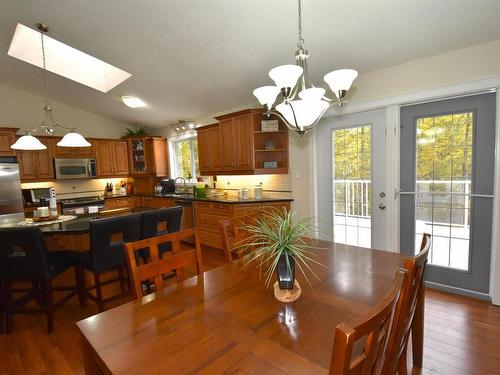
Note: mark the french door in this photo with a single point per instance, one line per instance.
(358, 145)
(447, 163)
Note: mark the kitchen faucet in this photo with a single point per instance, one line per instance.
(184, 182)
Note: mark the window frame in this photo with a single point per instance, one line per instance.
(172, 154)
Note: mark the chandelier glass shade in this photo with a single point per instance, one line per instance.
(303, 113)
(49, 124)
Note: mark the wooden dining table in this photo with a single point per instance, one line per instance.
(227, 321)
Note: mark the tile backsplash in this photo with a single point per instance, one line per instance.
(75, 188)
(270, 183)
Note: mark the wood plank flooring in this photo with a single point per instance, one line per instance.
(462, 336)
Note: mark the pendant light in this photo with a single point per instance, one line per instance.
(49, 125)
(303, 113)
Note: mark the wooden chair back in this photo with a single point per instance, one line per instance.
(372, 331)
(183, 254)
(234, 235)
(405, 309)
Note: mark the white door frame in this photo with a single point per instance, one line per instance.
(392, 105)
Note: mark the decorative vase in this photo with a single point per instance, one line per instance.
(286, 272)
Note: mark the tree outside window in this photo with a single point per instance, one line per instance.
(185, 158)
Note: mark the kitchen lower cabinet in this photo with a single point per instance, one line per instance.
(209, 214)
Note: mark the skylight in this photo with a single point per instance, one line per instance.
(65, 60)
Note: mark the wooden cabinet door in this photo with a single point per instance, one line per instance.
(204, 160)
(43, 161)
(227, 143)
(7, 138)
(159, 157)
(104, 156)
(120, 158)
(61, 152)
(214, 142)
(86, 152)
(243, 142)
(27, 170)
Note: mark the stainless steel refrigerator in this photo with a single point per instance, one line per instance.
(11, 199)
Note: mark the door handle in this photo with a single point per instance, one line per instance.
(381, 206)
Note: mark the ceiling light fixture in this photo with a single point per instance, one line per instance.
(49, 125)
(183, 125)
(133, 101)
(291, 81)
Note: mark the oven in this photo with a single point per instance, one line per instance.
(75, 168)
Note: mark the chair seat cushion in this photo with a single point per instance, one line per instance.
(60, 261)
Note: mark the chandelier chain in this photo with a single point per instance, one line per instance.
(45, 93)
(300, 42)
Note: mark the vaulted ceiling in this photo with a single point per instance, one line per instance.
(190, 58)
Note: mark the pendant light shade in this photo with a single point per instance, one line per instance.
(28, 142)
(73, 140)
(266, 95)
(340, 80)
(305, 112)
(286, 75)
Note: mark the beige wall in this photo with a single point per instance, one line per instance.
(24, 110)
(463, 65)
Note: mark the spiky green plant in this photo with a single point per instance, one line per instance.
(275, 232)
(138, 131)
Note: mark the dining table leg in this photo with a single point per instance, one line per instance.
(417, 329)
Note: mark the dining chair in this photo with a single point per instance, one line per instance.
(159, 222)
(234, 235)
(182, 255)
(370, 332)
(24, 258)
(406, 308)
(107, 239)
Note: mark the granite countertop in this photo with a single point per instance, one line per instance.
(226, 199)
(81, 224)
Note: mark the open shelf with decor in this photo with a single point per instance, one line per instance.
(270, 146)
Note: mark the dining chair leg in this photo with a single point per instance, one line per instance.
(38, 293)
(80, 284)
(417, 329)
(49, 304)
(98, 292)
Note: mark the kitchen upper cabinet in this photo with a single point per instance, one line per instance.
(7, 138)
(228, 146)
(36, 165)
(243, 135)
(209, 150)
(148, 156)
(72, 152)
(111, 158)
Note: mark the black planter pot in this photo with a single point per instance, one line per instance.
(286, 272)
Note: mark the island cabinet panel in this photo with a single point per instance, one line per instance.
(7, 138)
(111, 158)
(36, 165)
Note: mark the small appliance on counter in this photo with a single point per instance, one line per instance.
(167, 186)
(32, 196)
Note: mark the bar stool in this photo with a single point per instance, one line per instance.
(24, 258)
(107, 237)
(159, 222)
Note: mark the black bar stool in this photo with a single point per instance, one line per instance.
(24, 258)
(159, 222)
(107, 237)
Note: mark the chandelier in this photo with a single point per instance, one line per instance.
(303, 113)
(49, 125)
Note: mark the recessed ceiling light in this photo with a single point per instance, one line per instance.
(133, 101)
(65, 60)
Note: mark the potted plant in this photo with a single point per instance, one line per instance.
(137, 131)
(278, 239)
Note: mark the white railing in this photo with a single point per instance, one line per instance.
(357, 197)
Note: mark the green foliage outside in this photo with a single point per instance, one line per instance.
(186, 159)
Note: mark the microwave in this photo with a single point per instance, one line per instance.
(75, 168)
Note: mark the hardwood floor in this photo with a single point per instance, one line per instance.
(462, 336)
